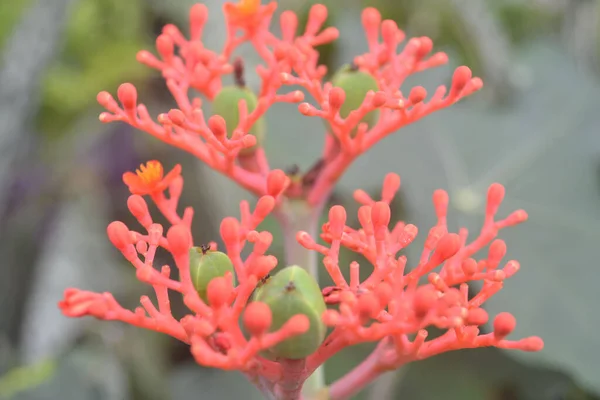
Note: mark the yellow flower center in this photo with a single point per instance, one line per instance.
(150, 173)
(248, 6)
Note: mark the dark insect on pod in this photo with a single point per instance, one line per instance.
(290, 292)
(226, 104)
(356, 85)
(205, 265)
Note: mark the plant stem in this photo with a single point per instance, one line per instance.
(290, 387)
(361, 376)
(295, 216)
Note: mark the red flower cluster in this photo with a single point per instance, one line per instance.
(389, 306)
(290, 60)
(392, 306)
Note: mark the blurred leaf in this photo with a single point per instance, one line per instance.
(102, 39)
(524, 19)
(87, 372)
(479, 375)
(452, 379)
(29, 50)
(10, 12)
(145, 355)
(70, 90)
(77, 254)
(26, 377)
(192, 381)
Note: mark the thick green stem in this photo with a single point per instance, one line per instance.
(295, 216)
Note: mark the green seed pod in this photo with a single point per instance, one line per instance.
(226, 104)
(205, 265)
(290, 292)
(356, 84)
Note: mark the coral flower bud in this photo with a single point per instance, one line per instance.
(257, 318)
(379, 99)
(384, 293)
(496, 253)
(533, 343)
(216, 123)
(176, 116)
(368, 306)
(495, 196)
(198, 17)
(504, 324)
(462, 75)
(137, 206)
(277, 181)
(380, 214)
(127, 95)
(264, 206)
(179, 239)
(337, 220)
(477, 317)
(165, 47)
(469, 266)
(337, 96)
(440, 203)
(424, 299)
(447, 247)
(391, 185)
(425, 46)
(119, 235)
(371, 18)
(218, 291)
(417, 95)
(230, 230)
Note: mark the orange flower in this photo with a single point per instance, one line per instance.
(149, 178)
(248, 13)
(248, 7)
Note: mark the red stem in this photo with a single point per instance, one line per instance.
(361, 376)
(292, 379)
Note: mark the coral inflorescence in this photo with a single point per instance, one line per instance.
(233, 323)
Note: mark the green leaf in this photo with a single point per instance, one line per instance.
(10, 12)
(102, 39)
(87, 372)
(194, 382)
(480, 374)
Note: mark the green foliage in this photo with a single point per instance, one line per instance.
(102, 39)
(26, 378)
(524, 20)
(10, 12)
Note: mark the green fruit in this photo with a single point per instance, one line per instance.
(205, 265)
(290, 292)
(226, 104)
(356, 85)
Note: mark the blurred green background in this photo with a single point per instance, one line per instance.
(535, 128)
